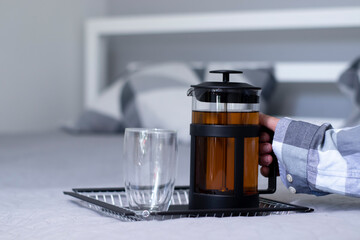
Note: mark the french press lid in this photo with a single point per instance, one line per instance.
(225, 91)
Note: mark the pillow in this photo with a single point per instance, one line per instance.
(137, 100)
(155, 97)
(103, 116)
(255, 73)
(349, 84)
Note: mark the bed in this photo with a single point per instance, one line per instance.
(35, 168)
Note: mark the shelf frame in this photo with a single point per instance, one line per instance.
(96, 31)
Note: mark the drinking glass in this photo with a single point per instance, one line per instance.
(150, 161)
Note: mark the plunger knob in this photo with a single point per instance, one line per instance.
(226, 73)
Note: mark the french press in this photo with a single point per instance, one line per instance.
(225, 145)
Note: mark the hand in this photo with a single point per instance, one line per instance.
(266, 150)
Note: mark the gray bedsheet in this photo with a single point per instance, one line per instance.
(59, 159)
(36, 168)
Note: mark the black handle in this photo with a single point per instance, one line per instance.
(273, 168)
(226, 73)
(272, 178)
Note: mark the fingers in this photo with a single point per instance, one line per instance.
(265, 137)
(265, 171)
(265, 160)
(265, 148)
(268, 121)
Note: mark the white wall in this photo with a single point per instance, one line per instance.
(41, 51)
(41, 55)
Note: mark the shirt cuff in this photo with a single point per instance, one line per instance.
(291, 146)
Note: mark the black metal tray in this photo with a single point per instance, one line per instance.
(113, 202)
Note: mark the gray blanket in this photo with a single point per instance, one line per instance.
(36, 168)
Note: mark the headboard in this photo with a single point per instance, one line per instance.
(318, 18)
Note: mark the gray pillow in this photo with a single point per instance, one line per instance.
(155, 97)
(96, 122)
(103, 115)
(150, 95)
(349, 84)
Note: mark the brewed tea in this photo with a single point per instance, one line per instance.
(217, 155)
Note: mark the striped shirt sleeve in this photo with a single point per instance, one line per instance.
(318, 159)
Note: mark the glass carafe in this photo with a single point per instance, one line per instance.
(225, 144)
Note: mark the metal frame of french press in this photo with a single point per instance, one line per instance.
(238, 199)
(239, 133)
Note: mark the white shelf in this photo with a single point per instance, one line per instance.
(96, 29)
(228, 21)
(309, 71)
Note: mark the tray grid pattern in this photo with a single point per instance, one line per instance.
(114, 203)
(180, 197)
